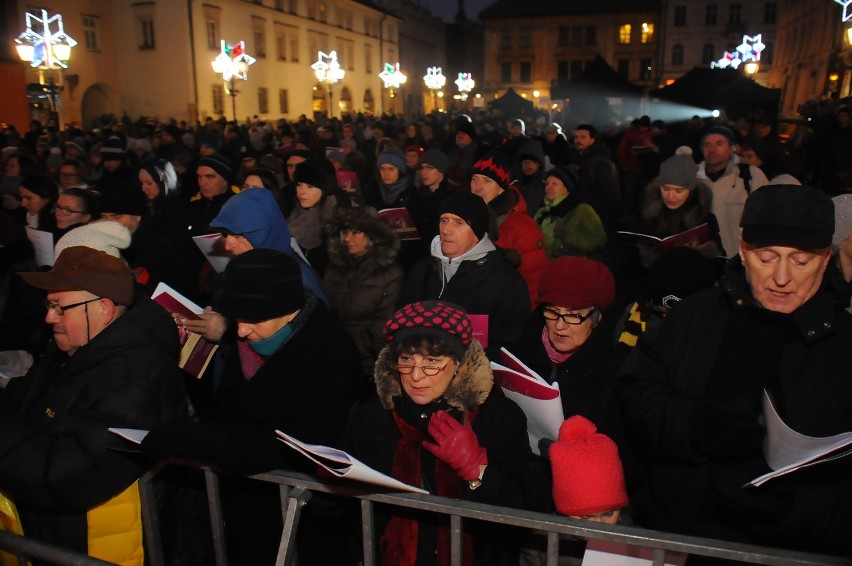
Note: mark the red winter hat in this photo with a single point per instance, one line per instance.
(576, 282)
(587, 473)
(447, 321)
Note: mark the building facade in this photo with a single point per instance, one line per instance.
(154, 58)
(533, 44)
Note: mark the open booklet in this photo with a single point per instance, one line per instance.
(694, 236)
(610, 553)
(213, 248)
(400, 220)
(342, 465)
(196, 352)
(540, 401)
(786, 450)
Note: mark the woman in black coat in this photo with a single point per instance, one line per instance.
(438, 423)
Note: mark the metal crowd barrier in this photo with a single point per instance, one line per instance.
(295, 490)
(30, 549)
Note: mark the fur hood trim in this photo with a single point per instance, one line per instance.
(695, 209)
(384, 243)
(468, 389)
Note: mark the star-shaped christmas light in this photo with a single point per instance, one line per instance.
(233, 62)
(46, 49)
(727, 60)
(847, 13)
(434, 78)
(327, 69)
(465, 82)
(391, 76)
(751, 47)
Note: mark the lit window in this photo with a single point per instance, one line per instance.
(624, 34)
(647, 35)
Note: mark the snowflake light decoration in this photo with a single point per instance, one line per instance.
(847, 13)
(465, 82)
(233, 62)
(434, 78)
(391, 76)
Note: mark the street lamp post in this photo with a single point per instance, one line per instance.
(392, 78)
(232, 62)
(46, 50)
(435, 81)
(328, 72)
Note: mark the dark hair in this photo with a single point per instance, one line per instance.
(79, 167)
(267, 177)
(27, 164)
(423, 344)
(88, 197)
(593, 133)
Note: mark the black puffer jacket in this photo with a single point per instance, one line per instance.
(363, 290)
(54, 457)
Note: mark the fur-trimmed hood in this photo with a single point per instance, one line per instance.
(467, 390)
(694, 210)
(384, 243)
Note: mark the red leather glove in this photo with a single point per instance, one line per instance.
(456, 444)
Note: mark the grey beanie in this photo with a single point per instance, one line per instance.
(680, 170)
(436, 159)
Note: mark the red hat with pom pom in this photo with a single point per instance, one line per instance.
(587, 473)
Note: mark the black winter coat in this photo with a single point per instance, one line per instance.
(720, 349)
(54, 457)
(485, 286)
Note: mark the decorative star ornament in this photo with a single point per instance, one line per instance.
(847, 13)
(42, 43)
(434, 78)
(328, 67)
(391, 76)
(465, 82)
(751, 47)
(234, 61)
(728, 60)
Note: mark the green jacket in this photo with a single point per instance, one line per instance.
(570, 227)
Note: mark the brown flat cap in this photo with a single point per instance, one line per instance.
(79, 268)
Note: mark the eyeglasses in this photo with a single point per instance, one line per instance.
(431, 371)
(59, 310)
(568, 317)
(65, 210)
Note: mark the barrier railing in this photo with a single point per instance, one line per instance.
(30, 549)
(295, 491)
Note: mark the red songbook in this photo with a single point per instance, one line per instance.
(400, 220)
(692, 237)
(196, 352)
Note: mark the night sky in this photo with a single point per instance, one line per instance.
(447, 9)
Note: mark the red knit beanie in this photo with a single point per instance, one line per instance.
(587, 474)
(576, 282)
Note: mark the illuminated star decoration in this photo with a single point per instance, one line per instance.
(751, 48)
(465, 82)
(42, 53)
(234, 61)
(434, 78)
(326, 67)
(847, 14)
(727, 60)
(391, 76)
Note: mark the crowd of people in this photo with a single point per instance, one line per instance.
(670, 279)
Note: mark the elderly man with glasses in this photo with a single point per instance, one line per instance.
(112, 363)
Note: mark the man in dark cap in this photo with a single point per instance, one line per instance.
(466, 268)
(215, 173)
(731, 181)
(112, 363)
(693, 394)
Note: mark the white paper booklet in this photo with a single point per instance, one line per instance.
(42, 245)
(786, 450)
(134, 435)
(212, 246)
(540, 401)
(610, 553)
(342, 465)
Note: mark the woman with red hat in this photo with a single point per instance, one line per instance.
(439, 423)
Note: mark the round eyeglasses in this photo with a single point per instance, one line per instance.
(430, 371)
(64, 210)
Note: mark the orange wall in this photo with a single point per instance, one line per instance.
(13, 95)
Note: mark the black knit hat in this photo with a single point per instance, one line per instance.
(113, 149)
(447, 321)
(470, 208)
(564, 175)
(721, 131)
(788, 215)
(219, 163)
(437, 159)
(318, 172)
(261, 284)
(494, 165)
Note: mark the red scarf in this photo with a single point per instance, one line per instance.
(398, 544)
